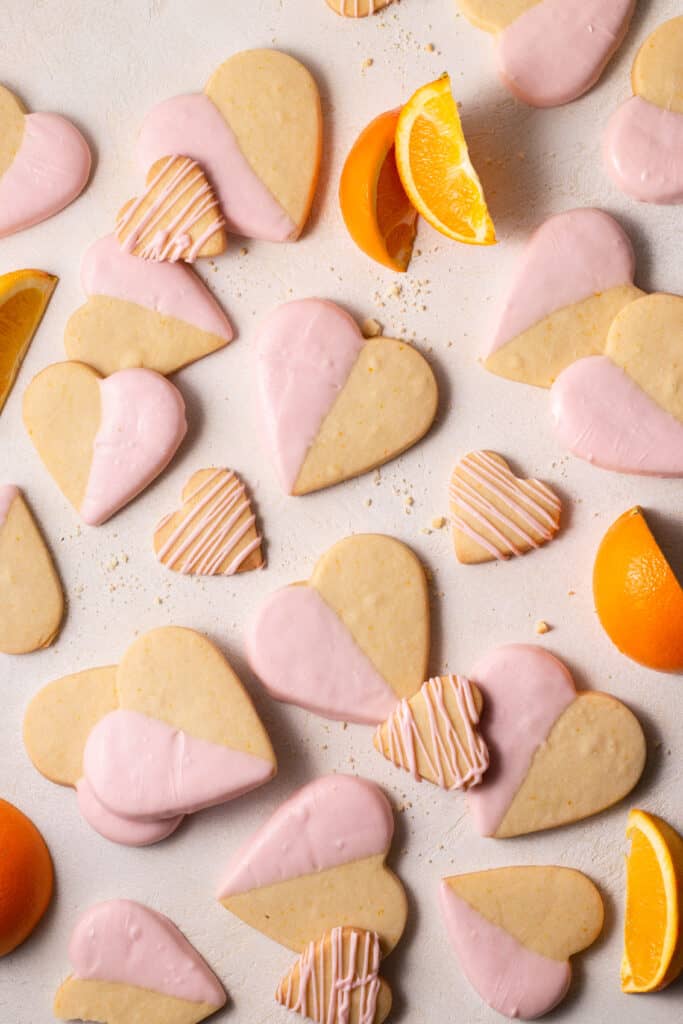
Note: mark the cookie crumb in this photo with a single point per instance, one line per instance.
(542, 627)
(438, 522)
(367, 63)
(368, 502)
(158, 600)
(425, 529)
(243, 251)
(429, 47)
(371, 328)
(409, 501)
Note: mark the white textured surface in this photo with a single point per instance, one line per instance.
(104, 64)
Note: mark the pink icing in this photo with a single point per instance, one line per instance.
(121, 830)
(305, 352)
(525, 691)
(8, 492)
(193, 126)
(555, 51)
(143, 423)
(304, 654)
(332, 821)
(140, 767)
(126, 942)
(513, 980)
(170, 289)
(600, 414)
(567, 259)
(644, 151)
(49, 170)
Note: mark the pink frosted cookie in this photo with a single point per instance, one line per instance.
(549, 51)
(166, 733)
(130, 963)
(333, 404)
(644, 140)
(44, 165)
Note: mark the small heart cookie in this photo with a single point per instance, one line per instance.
(494, 514)
(335, 405)
(257, 132)
(103, 440)
(214, 534)
(44, 165)
(624, 411)
(31, 597)
(557, 756)
(318, 864)
(575, 274)
(354, 640)
(130, 963)
(643, 148)
(514, 929)
(357, 8)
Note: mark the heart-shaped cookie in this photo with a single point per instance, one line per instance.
(257, 132)
(575, 274)
(514, 929)
(556, 755)
(214, 534)
(550, 52)
(644, 140)
(317, 864)
(624, 410)
(31, 598)
(354, 640)
(103, 440)
(131, 963)
(335, 405)
(159, 316)
(44, 164)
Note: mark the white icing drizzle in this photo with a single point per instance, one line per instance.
(442, 749)
(528, 500)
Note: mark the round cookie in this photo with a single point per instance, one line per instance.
(357, 8)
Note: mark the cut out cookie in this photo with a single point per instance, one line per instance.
(257, 132)
(624, 411)
(557, 756)
(44, 165)
(318, 864)
(575, 274)
(31, 597)
(334, 404)
(550, 52)
(514, 929)
(357, 8)
(214, 534)
(103, 440)
(131, 963)
(336, 980)
(159, 316)
(354, 640)
(644, 141)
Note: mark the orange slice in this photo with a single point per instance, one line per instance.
(637, 597)
(376, 210)
(653, 950)
(435, 167)
(25, 877)
(24, 295)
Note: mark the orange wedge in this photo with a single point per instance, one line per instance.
(25, 877)
(637, 597)
(376, 210)
(435, 167)
(653, 950)
(24, 295)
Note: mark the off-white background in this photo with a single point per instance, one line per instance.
(104, 64)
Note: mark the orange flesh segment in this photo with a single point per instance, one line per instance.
(20, 315)
(646, 911)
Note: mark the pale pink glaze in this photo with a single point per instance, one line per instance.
(305, 351)
(170, 289)
(8, 492)
(140, 767)
(304, 654)
(193, 126)
(567, 259)
(50, 169)
(331, 821)
(525, 691)
(513, 980)
(125, 831)
(643, 151)
(142, 425)
(555, 51)
(600, 414)
(126, 942)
